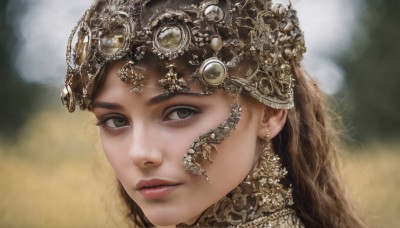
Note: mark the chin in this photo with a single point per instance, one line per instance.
(163, 221)
(169, 218)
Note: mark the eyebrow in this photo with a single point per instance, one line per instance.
(157, 99)
(106, 105)
(166, 96)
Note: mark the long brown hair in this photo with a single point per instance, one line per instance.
(134, 213)
(308, 147)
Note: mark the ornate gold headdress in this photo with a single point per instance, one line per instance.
(215, 37)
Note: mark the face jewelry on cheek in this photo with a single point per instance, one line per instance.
(128, 75)
(202, 148)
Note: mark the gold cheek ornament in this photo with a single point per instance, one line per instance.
(205, 145)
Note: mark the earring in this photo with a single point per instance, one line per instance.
(266, 179)
(267, 144)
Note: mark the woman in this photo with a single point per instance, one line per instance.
(206, 115)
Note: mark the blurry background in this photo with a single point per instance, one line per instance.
(52, 170)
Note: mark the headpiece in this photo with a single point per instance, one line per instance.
(235, 45)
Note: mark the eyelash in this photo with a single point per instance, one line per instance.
(193, 111)
(102, 122)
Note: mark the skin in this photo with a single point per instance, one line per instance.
(146, 137)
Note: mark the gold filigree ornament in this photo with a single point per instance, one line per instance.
(171, 82)
(214, 36)
(259, 201)
(204, 146)
(129, 75)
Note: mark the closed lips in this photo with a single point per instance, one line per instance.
(154, 183)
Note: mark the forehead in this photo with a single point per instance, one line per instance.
(116, 93)
(148, 74)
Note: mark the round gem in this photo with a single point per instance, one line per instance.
(112, 41)
(170, 38)
(214, 13)
(213, 72)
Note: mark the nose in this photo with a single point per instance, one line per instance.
(144, 152)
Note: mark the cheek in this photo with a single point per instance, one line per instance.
(234, 159)
(236, 154)
(175, 143)
(116, 153)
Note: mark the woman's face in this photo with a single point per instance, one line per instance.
(145, 137)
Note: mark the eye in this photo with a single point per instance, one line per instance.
(113, 122)
(181, 113)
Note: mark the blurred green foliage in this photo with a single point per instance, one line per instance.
(372, 69)
(17, 97)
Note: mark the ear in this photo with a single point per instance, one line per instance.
(271, 122)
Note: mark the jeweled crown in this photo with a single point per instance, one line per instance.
(215, 37)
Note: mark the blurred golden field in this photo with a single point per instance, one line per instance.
(55, 175)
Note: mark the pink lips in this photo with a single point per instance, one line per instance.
(155, 188)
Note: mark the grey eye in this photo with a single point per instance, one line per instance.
(180, 114)
(115, 123)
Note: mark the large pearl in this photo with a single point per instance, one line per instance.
(213, 72)
(216, 43)
(213, 13)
